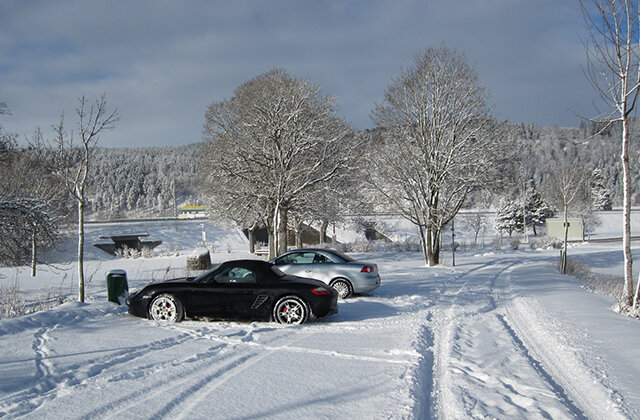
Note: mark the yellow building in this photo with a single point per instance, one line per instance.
(192, 212)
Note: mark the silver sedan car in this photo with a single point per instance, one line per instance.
(343, 273)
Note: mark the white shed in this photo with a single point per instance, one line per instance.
(555, 228)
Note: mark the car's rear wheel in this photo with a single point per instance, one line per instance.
(291, 310)
(166, 307)
(343, 287)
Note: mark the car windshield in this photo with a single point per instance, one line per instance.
(206, 274)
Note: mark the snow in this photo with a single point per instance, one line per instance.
(500, 335)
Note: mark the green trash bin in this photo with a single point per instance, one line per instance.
(117, 285)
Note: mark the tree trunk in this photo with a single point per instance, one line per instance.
(563, 263)
(33, 252)
(272, 245)
(80, 250)
(627, 295)
(435, 250)
(637, 295)
(433, 247)
(252, 245)
(323, 231)
(275, 237)
(298, 232)
(423, 243)
(282, 231)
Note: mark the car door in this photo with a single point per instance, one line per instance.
(229, 293)
(322, 268)
(297, 263)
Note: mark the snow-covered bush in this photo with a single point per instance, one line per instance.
(594, 282)
(133, 253)
(128, 253)
(11, 303)
(544, 242)
(361, 246)
(147, 252)
(200, 259)
(408, 245)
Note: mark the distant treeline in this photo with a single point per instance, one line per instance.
(599, 149)
(142, 181)
(149, 181)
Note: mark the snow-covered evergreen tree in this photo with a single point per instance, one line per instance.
(509, 216)
(538, 210)
(600, 192)
(509, 213)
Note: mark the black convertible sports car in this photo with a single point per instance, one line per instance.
(242, 289)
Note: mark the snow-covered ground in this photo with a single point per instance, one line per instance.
(500, 335)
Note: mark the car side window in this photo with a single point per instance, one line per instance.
(296, 258)
(286, 259)
(321, 259)
(235, 275)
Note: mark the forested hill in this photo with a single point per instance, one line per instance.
(598, 148)
(139, 182)
(135, 182)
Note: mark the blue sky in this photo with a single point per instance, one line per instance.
(162, 62)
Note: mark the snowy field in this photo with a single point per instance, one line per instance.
(500, 335)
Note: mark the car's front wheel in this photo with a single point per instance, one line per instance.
(291, 310)
(166, 307)
(343, 287)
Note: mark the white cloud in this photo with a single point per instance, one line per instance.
(162, 63)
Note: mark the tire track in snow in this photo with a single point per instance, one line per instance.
(592, 398)
(49, 384)
(455, 311)
(434, 341)
(181, 379)
(557, 389)
(247, 340)
(422, 389)
(186, 403)
(195, 386)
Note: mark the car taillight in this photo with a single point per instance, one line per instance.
(368, 269)
(320, 291)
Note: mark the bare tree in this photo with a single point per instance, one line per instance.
(228, 198)
(73, 162)
(276, 138)
(476, 221)
(438, 143)
(24, 221)
(331, 201)
(613, 70)
(7, 141)
(568, 189)
(29, 202)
